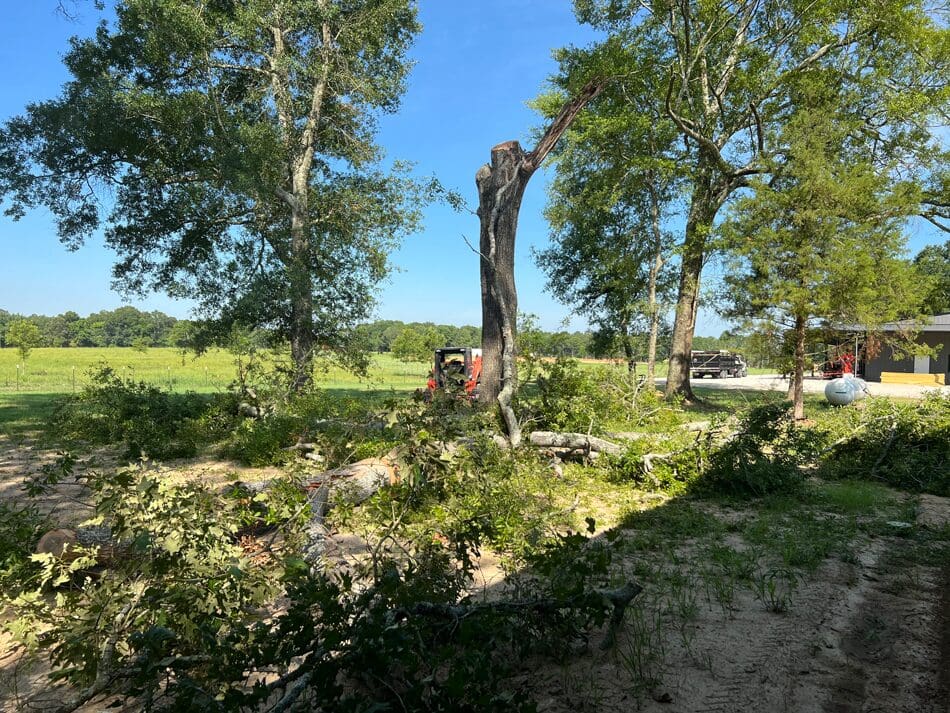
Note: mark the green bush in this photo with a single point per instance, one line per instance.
(567, 397)
(179, 586)
(672, 474)
(765, 456)
(904, 444)
(150, 421)
(20, 529)
(343, 430)
(183, 622)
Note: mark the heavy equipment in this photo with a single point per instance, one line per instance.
(456, 369)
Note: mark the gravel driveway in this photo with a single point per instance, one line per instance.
(774, 382)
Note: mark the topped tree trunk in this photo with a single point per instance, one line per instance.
(501, 185)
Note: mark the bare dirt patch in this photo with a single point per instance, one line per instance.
(866, 635)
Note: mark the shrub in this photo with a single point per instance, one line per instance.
(673, 473)
(765, 455)
(343, 430)
(20, 529)
(179, 625)
(906, 445)
(177, 586)
(149, 420)
(566, 397)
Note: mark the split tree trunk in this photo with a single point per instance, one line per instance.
(501, 185)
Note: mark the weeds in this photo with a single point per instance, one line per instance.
(775, 588)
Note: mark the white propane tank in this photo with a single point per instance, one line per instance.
(860, 387)
(839, 392)
(845, 390)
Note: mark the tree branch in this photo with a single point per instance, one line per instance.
(561, 122)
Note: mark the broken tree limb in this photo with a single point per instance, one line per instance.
(619, 599)
(352, 484)
(574, 442)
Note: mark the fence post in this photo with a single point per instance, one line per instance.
(17, 377)
(74, 380)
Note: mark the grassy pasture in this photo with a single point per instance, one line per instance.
(28, 391)
(62, 371)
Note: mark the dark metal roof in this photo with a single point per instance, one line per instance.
(937, 323)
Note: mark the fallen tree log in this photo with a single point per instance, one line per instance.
(619, 599)
(574, 442)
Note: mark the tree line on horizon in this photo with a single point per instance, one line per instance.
(130, 327)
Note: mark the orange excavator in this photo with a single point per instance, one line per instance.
(456, 369)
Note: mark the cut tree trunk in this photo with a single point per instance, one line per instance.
(501, 185)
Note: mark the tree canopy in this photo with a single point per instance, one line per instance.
(228, 150)
(728, 74)
(617, 176)
(934, 262)
(822, 238)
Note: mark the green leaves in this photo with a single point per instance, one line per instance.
(216, 129)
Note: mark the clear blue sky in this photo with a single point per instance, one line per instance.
(478, 63)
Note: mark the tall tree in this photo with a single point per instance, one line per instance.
(822, 239)
(729, 70)
(501, 185)
(235, 141)
(617, 175)
(934, 262)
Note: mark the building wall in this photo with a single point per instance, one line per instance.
(938, 365)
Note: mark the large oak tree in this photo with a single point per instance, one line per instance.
(227, 149)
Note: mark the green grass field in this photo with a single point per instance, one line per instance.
(63, 371)
(28, 391)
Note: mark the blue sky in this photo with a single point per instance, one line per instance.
(478, 63)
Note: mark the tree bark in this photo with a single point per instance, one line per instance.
(703, 208)
(651, 287)
(628, 345)
(301, 287)
(798, 387)
(501, 185)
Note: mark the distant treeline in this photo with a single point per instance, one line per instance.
(120, 327)
(128, 326)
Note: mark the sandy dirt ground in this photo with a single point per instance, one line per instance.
(861, 636)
